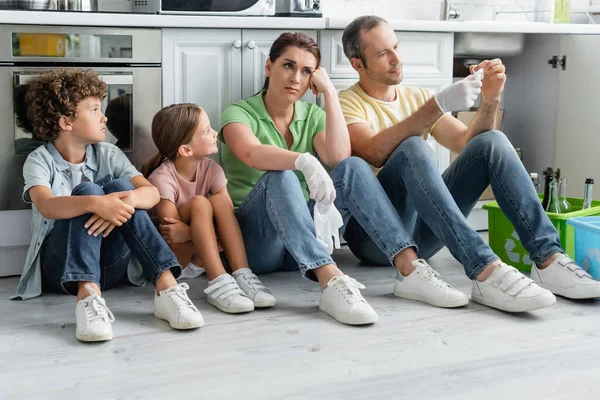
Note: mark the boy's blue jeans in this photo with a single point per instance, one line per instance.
(69, 255)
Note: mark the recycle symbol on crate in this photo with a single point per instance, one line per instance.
(515, 254)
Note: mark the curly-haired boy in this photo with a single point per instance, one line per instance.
(90, 225)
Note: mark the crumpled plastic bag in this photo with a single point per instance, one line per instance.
(328, 221)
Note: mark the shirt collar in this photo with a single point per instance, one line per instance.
(257, 102)
(61, 164)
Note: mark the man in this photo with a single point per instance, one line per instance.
(387, 124)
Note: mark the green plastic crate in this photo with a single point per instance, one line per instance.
(505, 242)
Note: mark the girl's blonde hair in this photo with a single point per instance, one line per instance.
(172, 127)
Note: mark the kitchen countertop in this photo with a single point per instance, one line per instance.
(193, 21)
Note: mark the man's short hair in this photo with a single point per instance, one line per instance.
(353, 47)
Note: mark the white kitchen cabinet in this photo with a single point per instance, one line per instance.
(215, 68)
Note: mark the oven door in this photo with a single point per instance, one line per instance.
(134, 96)
(219, 7)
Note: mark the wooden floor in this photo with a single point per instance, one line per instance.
(294, 351)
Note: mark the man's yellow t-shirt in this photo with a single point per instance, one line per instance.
(359, 107)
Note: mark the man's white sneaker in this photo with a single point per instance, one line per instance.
(93, 318)
(342, 300)
(565, 278)
(174, 306)
(509, 290)
(426, 285)
(254, 288)
(224, 293)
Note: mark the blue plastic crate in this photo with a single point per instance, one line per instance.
(587, 243)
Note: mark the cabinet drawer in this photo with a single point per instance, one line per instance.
(424, 54)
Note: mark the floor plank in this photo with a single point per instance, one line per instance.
(294, 351)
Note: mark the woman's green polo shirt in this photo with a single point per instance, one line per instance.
(309, 119)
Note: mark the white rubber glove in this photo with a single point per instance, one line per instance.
(320, 185)
(328, 222)
(459, 96)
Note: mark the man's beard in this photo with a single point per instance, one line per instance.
(384, 79)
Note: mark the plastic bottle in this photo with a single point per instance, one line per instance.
(587, 193)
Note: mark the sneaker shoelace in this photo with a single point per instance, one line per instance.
(254, 283)
(348, 287)
(95, 307)
(178, 295)
(224, 289)
(433, 276)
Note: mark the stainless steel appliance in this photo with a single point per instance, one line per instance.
(298, 8)
(206, 7)
(128, 61)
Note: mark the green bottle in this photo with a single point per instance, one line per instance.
(562, 11)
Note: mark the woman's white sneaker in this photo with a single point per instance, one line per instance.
(174, 306)
(254, 288)
(565, 278)
(224, 293)
(509, 290)
(93, 318)
(426, 285)
(342, 300)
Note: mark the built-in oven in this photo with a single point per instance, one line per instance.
(128, 60)
(206, 7)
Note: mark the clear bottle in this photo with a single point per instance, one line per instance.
(562, 11)
(553, 204)
(564, 204)
(535, 179)
(587, 193)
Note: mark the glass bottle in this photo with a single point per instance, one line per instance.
(565, 206)
(548, 177)
(587, 193)
(562, 11)
(553, 204)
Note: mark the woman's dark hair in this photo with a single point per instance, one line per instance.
(296, 39)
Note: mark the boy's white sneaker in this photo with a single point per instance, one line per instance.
(342, 300)
(565, 278)
(93, 318)
(426, 285)
(509, 290)
(224, 293)
(174, 306)
(254, 288)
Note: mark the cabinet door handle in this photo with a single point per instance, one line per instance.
(237, 44)
(251, 44)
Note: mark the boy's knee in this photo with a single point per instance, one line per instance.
(118, 185)
(87, 189)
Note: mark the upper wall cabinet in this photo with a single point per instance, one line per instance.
(424, 54)
(215, 68)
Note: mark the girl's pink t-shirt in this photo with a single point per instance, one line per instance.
(210, 179)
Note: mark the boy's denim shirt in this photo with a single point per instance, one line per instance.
(46, 167)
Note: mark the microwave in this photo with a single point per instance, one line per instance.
(206, 7)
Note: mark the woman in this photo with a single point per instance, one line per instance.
(269, 142)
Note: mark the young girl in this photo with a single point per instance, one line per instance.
(195, 208)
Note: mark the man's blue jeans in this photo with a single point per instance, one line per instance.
(433, 208)
(69, 255)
